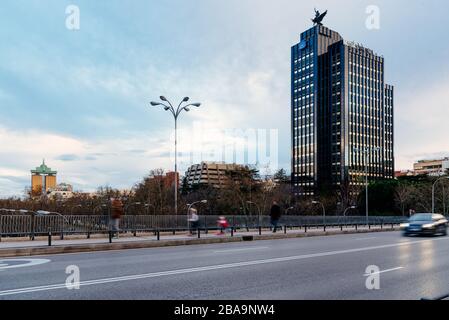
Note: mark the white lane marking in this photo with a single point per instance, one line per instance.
(367, 238)
(243, 249)
(383, 271)
(208, 268)
(6, 263)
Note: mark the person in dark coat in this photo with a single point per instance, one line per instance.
(275, 215)
(116, 213)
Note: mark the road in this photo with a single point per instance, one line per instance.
(331, 267)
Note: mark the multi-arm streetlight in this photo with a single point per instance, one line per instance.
(366, 151)
(433, 191)
(324, 210)
(175, 112)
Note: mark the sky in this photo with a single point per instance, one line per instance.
(80, 98)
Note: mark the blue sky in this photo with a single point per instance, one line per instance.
(80, 98)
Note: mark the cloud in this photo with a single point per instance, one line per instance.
(82, 98)
(421, 123)
(85, 163)
(67, 157)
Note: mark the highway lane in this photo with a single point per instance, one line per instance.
(331, 267)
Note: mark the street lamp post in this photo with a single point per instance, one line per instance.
(98, 207)
(324, 210)
(148, 205)
(258, 209)
(190, 205)
(175, 114)
(46, 213)
(351, 207)
(433, 191)
(77, 206)
(365, 152)
(130, 205)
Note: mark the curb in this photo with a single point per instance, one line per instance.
(61, 249)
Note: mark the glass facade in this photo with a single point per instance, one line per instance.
(342, 113)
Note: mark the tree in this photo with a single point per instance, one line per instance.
(281, 176)
(402, 196)
(155, 191)
(381, 195)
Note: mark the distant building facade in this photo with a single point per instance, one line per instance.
(42, 179)
(212, 174)
(61, 192)
(168, 180)
(404, 173)
(431, 167)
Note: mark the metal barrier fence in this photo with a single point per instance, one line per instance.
(31, 225)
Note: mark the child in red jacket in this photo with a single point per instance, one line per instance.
(222, 224)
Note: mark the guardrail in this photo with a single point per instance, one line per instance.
(33, 225)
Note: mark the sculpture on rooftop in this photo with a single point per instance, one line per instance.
(319, 17)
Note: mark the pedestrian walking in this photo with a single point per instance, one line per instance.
(116, 214)
(223, 224)
(275, 215)
(194, 220)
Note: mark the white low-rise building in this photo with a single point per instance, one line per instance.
(61, 191)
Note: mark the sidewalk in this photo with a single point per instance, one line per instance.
(10, 247)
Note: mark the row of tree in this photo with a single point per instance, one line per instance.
(247, 192)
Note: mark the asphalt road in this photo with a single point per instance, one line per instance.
(331, 267)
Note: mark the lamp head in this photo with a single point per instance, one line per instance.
(203, 201)
(167, 108)
(163, 98)
(196, 104)
(185, 99)
(154, 103)
(186, 109)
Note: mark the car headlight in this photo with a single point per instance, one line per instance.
(405, 225)
(428, 226)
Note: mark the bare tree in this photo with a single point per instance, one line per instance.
(402, 196)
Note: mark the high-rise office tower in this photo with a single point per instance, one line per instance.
(342, 113)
